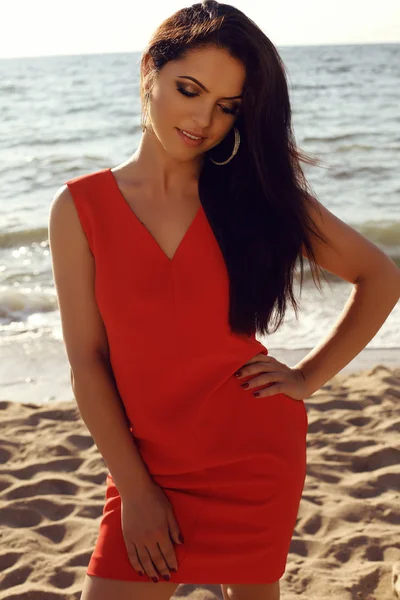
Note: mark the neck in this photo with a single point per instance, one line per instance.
(167, 174)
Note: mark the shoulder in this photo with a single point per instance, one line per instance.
(345, 252)
(65, 218)
(62, 201)
(72, 195)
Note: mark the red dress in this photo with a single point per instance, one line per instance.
(232, 465)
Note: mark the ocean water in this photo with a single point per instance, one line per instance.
(69, 115)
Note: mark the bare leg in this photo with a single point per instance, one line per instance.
(99, 588)
(251, 591)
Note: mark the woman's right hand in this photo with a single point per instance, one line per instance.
(149, 528)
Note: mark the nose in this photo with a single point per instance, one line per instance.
(203, 117)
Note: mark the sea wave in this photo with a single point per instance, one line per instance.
(16, 305)
(383, 233)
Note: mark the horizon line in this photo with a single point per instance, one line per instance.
(308, 45)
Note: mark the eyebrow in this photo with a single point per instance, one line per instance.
(204, 87)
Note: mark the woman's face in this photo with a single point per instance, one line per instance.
(209, 111)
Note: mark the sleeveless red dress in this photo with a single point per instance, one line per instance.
(232, 465)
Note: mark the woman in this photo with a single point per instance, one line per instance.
(212, 213)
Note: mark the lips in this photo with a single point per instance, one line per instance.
(188, 141)
(190, 132)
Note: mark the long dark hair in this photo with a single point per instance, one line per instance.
(257, 203)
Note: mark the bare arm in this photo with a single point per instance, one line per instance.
(103, 413)
(376, 291)
(85, 338)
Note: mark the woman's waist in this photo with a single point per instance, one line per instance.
(176, 376)
(175, 349)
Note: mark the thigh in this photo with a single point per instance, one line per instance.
(251, 591)
(100, 588)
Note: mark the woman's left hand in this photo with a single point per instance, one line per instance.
(276, 376)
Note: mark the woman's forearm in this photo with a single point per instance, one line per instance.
(367, 308)
(102, 411)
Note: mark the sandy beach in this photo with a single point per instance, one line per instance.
(346, 543)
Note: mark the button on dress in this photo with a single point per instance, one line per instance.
(233, 466)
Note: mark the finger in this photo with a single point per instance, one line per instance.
(159, 560)
(266, 364)
(263, 379)
(168, 552)
(174, 530)
(254, 368)
(147, 563)
(271, 390)
(258, 358)
(134, 559)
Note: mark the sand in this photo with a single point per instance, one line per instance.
(346, 543)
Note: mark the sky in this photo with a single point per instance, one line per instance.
(53, 27)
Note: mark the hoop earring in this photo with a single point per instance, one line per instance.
(235, 149)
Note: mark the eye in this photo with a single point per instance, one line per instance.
(229, 111)
(185, 92)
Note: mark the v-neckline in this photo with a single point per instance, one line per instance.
(144, 228)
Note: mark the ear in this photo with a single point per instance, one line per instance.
(146, 63)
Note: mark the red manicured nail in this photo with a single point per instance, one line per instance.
(244, 385)
(256, 393)
(155, 579)
(140, 573)
(238, 373)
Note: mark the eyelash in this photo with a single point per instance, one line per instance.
(228, 111)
